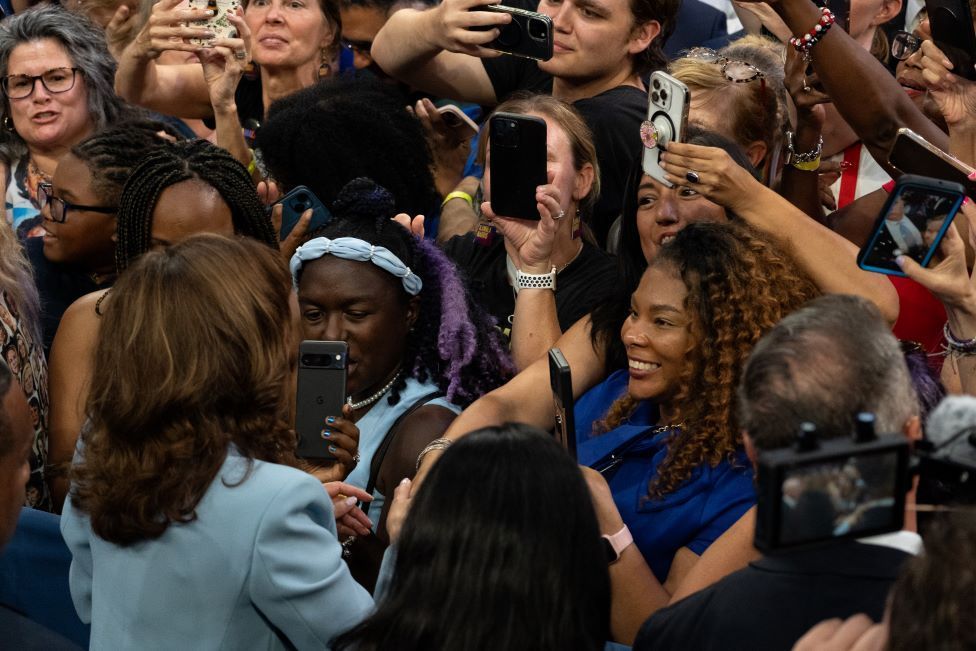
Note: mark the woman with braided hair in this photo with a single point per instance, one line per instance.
(419, 348)
(174, 190)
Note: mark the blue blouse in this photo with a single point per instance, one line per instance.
(693, 515)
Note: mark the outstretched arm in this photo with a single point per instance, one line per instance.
(828, 258)
(179, 90)
(861, 88)
(436, 50)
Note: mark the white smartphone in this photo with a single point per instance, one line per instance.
(218, 23)
(667, 120)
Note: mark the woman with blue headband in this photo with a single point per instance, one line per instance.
(419, 349)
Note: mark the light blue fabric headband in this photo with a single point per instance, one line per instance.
(353, 248)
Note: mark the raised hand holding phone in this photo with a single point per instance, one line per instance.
(461, 26)
(532, 241)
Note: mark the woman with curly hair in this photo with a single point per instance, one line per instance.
(182, 500)
(419, 348)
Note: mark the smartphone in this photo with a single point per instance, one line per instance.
(517, 163)
(321, 393)
(952, 30)
(529, 34)
(561, 380)
(458, 121)
(295, 203)
(667, 120)
(912, 223)
(913, 154)
(218, 23)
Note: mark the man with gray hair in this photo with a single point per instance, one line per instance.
(823, 364)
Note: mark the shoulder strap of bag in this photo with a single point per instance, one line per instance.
(377, 463)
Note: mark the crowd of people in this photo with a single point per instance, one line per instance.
(716, 312)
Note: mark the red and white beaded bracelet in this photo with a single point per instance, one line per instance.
(803, 44)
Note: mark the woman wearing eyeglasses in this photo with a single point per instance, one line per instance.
(57, 80)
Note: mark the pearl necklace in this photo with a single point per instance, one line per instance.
(356, 406)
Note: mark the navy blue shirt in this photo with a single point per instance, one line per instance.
(693, 515)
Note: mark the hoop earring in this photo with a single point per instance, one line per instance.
(8, 123)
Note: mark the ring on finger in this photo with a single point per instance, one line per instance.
(562, 213)
(693, 177)
(355, 458)
(240, 54)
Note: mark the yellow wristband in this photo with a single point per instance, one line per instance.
(458, 194)
(809, 166)
(253, 165)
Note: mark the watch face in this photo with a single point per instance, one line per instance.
(609, 550)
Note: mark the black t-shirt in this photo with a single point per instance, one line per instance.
(586, 281)
(614, 116)
(774, 601)
(58, 286)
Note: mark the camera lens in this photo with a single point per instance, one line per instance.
(657, 84)
(655, 97)
(538, 29)
(664, 94)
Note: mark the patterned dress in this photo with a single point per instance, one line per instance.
(22, 352)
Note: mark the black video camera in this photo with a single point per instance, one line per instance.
(818, 492)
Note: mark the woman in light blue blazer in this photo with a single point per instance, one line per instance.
(188, 525)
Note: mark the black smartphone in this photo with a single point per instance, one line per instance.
(912, 223)
(952, 30)
(529, 34)
(517, 163)
(295, 203)
(913, 154)
(561, 380)
(321, 393)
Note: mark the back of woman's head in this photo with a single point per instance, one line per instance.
(748, 112)
(454, 342)
(85, 44)
(503, 532)
(739, 286)
(181, 161)
(631, 262)
(573, 125)
(192, 354)
(112, 153)
(324, 136)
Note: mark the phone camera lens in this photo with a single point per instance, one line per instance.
(655, 97)
(656, 83)
(538, 29)
(664, 95)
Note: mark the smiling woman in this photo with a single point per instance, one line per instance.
(419, 349)
(56, 74)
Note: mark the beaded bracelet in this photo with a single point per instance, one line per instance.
(436, 444)
(954, 346)
(803, 44)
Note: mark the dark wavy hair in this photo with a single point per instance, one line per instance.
(181, 161)
(454, 343)
(517, 573)
(609, 315)
(666, 13)
(739, 285)
(324, 136)
(192, 355)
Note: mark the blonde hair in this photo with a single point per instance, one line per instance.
(753, 113)
(17, 278)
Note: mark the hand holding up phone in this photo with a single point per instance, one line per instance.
(720, 179)
(342, 437)
(949, 280)
(452, 22)
(533, 240)
(953, 94)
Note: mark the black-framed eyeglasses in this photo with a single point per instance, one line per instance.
(55, 80)
(904, 44)
(60, 207)
(363, 47)
(740, 72)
